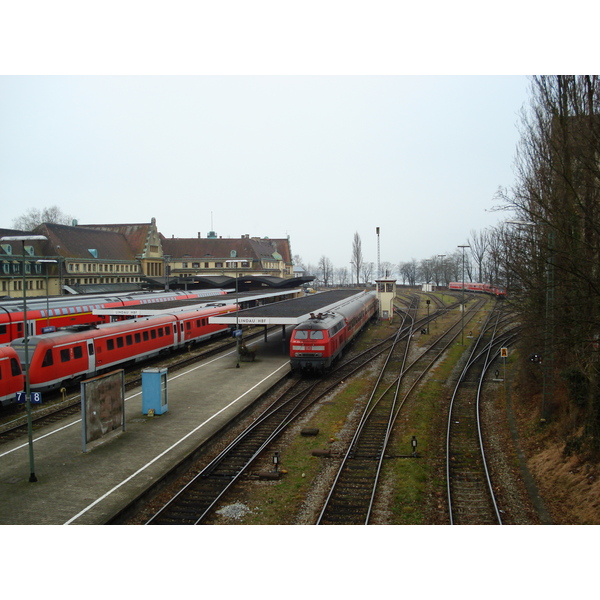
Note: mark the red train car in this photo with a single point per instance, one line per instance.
(11, 376)
(65, 357)
(65, 311)
(318, 342)
(482, 288)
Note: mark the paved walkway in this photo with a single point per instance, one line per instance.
(74, 487)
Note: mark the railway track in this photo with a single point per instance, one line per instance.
(197, 501)
(353, 493)
(193, 504)
(470, 493)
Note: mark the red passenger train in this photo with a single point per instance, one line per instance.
(11, 376)
(482, 288)
(318, 342)
(66, 311)
(65, 357)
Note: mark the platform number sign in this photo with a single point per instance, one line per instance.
(35, 398)
(503, 352)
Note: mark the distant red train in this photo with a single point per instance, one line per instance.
(482, 288)
(65, 311)
(318, 342)
(66, 357)
(11, 376)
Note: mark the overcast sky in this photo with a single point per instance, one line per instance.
(337, 124)
(315, 158)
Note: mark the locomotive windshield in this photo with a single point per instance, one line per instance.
(305, 334)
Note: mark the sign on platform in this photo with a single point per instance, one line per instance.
(34, 397)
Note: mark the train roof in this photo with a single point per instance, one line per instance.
(170, 306)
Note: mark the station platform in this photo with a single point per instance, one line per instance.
(91, 488)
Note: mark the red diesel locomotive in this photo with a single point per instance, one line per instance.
(66, 311)
(65, 357)
(11, 376)
(315, 344)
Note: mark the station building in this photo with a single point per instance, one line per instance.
(119, 258)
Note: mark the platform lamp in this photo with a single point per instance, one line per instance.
(462, 316)
(23, 239)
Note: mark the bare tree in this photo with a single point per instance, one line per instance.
(479, 243)
(357, 257)
(33, 217)
(367, 271)
(325, 270)
(342, 275)
(408, 272)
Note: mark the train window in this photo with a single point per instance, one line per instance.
(301, 334)
(64, 355)
(188, 325)
(2, 329)
(316, 335)
(91, 349)
(1, 370)
(15, 367)
(198, 322)
(48, 359)
(19, 328)
(145, 335)
(129, 340)
(77, 352)
(138, 338)
(110, 344)
(120, 343)
(160, 332)
(153, 334)
(167, 330)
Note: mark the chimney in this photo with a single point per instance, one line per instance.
(199, 236)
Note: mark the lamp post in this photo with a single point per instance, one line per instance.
(462, 316)
(23, 239)
(167, 258)
(237, 312)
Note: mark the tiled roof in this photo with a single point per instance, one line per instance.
(76, 242)
(136, 234)
(220, 248)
